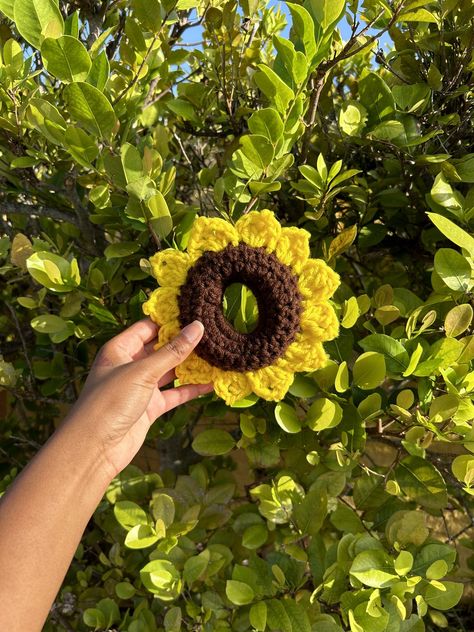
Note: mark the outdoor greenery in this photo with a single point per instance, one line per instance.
(348, 506)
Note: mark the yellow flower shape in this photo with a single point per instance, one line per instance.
(292, 291)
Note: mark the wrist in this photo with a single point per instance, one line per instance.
(86, 448)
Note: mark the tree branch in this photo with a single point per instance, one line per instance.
(18, 208)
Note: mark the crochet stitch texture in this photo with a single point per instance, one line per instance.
(292, 292)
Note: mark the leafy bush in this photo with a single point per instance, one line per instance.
(343, 507)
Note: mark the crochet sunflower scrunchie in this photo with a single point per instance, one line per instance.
(292, 293)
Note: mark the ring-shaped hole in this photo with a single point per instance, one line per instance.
(240, 307)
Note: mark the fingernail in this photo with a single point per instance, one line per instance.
(193, 331)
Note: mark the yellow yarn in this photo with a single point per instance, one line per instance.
(195, 370)
(259, 229)
(170, 267)
(271, 382)
(317, 282)
(162, 306)
(293, 248)
(231, 386)
(210, 233)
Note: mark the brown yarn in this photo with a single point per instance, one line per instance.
(279, 307)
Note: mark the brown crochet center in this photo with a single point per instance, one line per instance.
(279, 307)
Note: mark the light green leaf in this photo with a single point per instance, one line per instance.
(287, 418)
(369, 370)
(352, 118)
(213, 443)
(123, 249)
(323, 414)
(453, 232)
(374, 568)
(6, 7)
(141, 536)
(328, 12)
(162, 579)
(444, 599)
(258, 616)
(66, 58)
(161, 220)
(239, 593)
(268, 123)
(454, 269)
(257, 149)
(129, 514)
(91, 108)
(37, 19)
(421, 482)
(254, 536)
(48, 324)
(458, 319)
(396, 357)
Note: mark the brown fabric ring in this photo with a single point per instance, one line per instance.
(279, 307)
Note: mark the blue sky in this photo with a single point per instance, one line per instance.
(194, 34)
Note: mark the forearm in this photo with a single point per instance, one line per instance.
(42, 518)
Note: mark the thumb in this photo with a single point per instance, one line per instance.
(173, 352)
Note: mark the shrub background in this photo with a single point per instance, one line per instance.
(115, 131)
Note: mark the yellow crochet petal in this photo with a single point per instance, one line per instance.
(303, 355)
(170, 267)
(317, 280)
(293, 248)
(162, 306)
(210, 233)
(319, 321)
(167, 332)
(259, 229)
(271, 382)
(194, 370)
(231, 385)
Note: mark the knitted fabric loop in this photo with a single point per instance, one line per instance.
(279, 307)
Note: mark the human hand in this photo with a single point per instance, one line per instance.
(121, 398)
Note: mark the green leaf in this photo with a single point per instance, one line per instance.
(254, 536)
(303, 27)
(376, 97)
(91, 108)
(129, 514)
(258, 616)
(444, 599)
(396, 357)
(48, 324)
(141, 536)
(403, 563)
(163, 508)
(124, 590)
(173, 620)
(369, 370)
(161, 220)
(420, 481)
(328, 12)
(341, 382)
(453, 232)
(213, 443)
(100, 71)
(37, 19)
(162, 579)
(257, 149)
(287, 418)
(267, 123)
(454, 269)
(6, 7)
(374, 568)
(352, 117)
(239, 593)
(273, 87)
(323, 414)
(437, 570)
(66, 58)
(94, 618)
(458, 319)
(123, 249)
